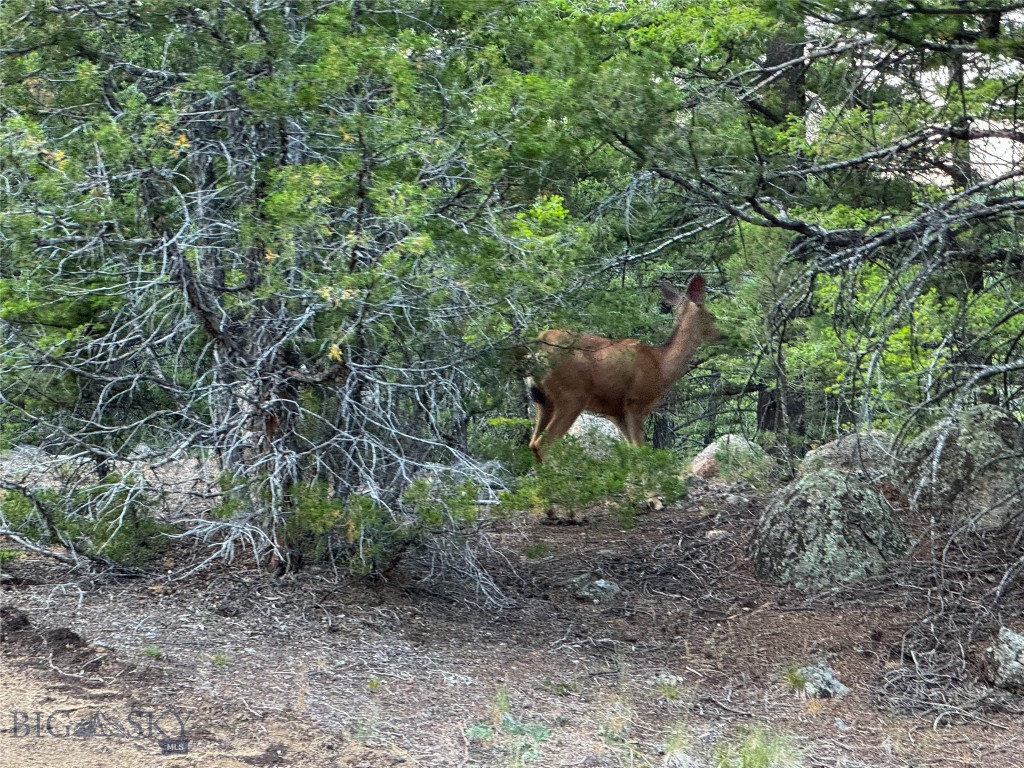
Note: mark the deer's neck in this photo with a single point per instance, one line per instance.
(677, 351)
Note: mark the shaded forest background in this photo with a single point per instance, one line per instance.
(292, 250)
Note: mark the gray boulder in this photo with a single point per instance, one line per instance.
(869, 453)
(731, 457)
(596, 435)
(826, 528)
(968, 468)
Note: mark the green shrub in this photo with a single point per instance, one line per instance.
(573, 479)
(537, 550)
(233, 500)
(117, 521)
(313, 515)
(114, 520)
(135, 538)
(370, 534)
(360, 532)
(794, 678)
(440, 499)
(22, 516)
(503, 440)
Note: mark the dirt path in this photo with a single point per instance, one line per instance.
(688, 660)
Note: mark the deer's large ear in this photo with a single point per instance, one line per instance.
(670, 295)
(697, 289)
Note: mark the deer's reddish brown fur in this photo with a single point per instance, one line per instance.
(620, 379)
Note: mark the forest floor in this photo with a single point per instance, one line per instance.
(693, 656)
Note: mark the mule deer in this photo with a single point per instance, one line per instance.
(620, 379)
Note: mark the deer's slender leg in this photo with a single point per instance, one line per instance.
(544, 414)
(620, 424)
(563, 418)
(635, 427)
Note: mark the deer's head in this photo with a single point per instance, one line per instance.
(693, 320)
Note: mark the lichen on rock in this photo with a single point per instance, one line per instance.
(869, 452)
(826, 528)
(967, 468)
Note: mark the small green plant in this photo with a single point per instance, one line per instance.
(501, 704)
(794, 678)
(220, 659)
(523, 739)
(562, 689)
(363, 729)
(759, 748)
(677, 743)
(7, 555)
(153, 652)
(618, 725)
(537, 550)
(669, 687)
(373, 684)
(479, 732)
(534, 732)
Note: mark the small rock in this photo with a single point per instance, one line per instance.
(666, 678)
(595, 589)
(1004, 661)
(653, 504)
(821, 682)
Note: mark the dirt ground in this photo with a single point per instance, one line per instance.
(691, 657)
